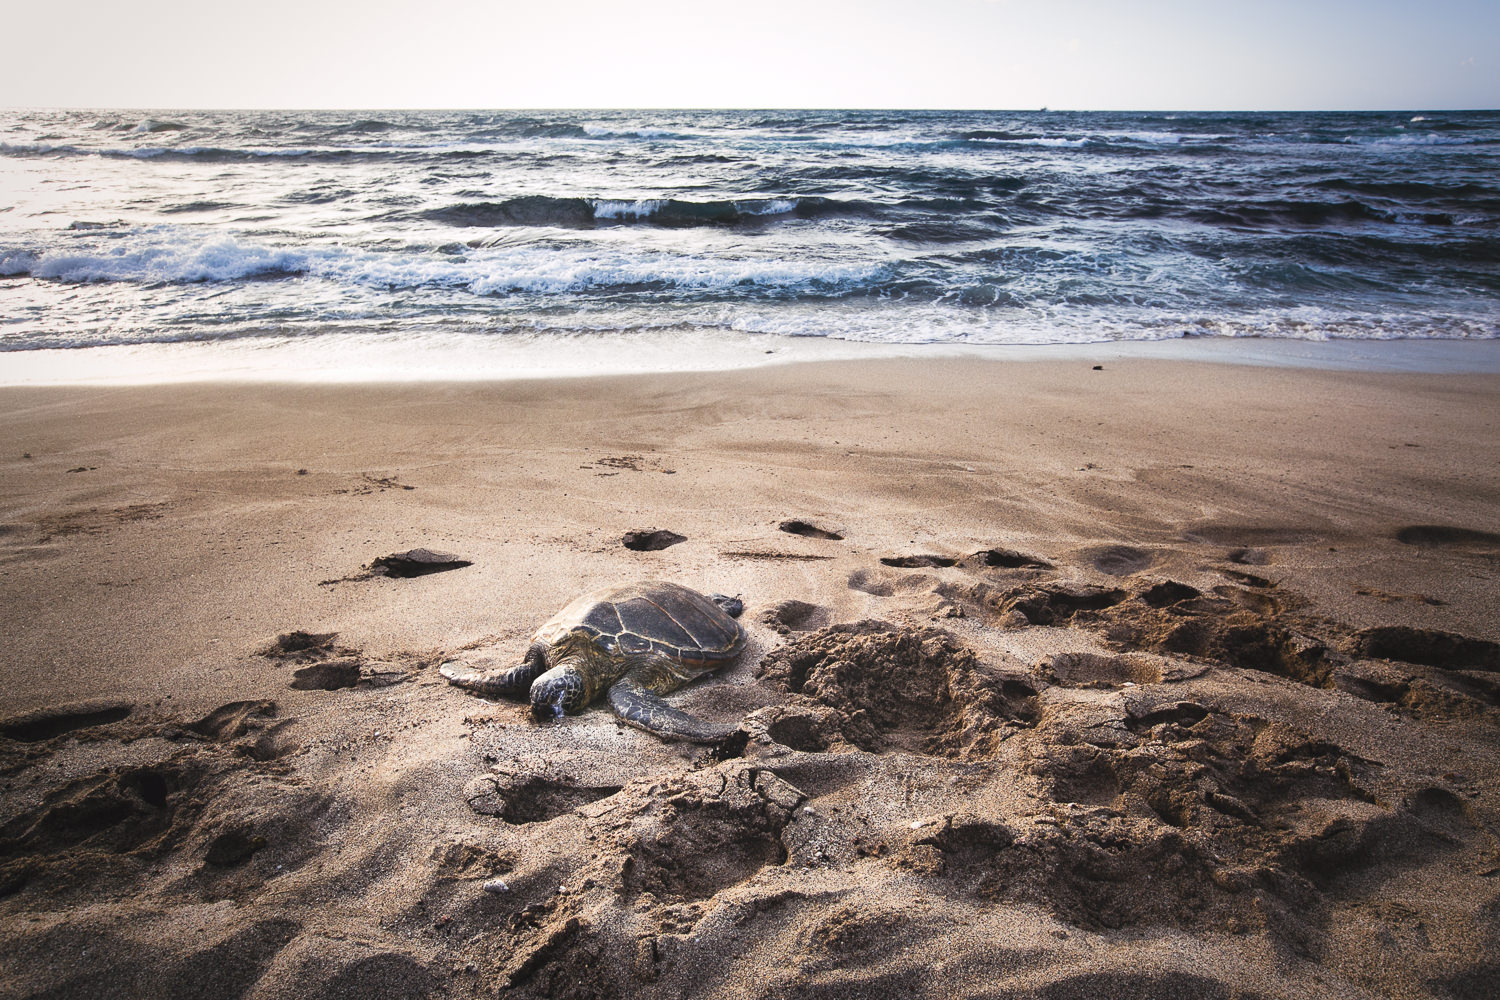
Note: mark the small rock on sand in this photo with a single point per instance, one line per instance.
(416, 562)
(651, 540)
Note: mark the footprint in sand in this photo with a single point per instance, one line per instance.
(233, 848)
(1438, 536)
(266, 736)
(1097, 670)
(1118, 560)
(1249, 536)
(326, 667)
(300, 646)
(46, 723)
(1106, 670)
(862, 581)
(522, 799)
(794, 616)
(1009, 559)
(1261, 604)
(327, 676)
(1428, 647)
(803, 731)
(1249, 579)
(234, 719)
(918, 562)
(809, 530)
(1168, 593)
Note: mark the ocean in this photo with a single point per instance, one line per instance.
(670, 233)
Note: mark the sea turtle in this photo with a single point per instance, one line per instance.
(637, 642)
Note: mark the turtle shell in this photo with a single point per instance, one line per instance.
(653, 617)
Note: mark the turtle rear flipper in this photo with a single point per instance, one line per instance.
(511, 682)
(644, 709)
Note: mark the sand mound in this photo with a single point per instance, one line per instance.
(918, 690)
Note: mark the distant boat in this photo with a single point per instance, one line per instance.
(1044, 109)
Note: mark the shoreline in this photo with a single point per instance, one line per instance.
(357, 358)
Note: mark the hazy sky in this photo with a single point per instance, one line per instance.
(1156, 54)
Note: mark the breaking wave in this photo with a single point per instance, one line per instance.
(582, 213)
(177, 258)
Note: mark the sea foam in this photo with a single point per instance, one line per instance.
(181, 255)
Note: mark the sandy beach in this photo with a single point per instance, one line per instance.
(1157, 679)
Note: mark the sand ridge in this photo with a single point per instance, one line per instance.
(1032, 710)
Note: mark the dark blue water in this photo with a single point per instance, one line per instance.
(1003, 227)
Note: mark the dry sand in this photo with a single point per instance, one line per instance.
(1165, 680)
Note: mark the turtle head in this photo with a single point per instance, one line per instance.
(559, 690)
(579, 666)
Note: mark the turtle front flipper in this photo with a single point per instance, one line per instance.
(511, 682)
(645, 709)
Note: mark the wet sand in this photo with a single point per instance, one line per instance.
(1166, 679)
